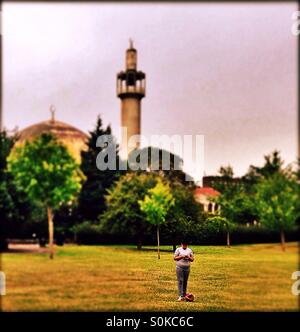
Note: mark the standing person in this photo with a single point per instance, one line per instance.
(183, 257)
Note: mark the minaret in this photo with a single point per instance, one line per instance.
(131, 85)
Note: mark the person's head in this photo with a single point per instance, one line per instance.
(184, 243)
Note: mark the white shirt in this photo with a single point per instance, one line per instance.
(184, 262)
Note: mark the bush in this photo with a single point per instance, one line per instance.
(3, 244)
(207, 235)
(92, 234)
(87, 233)
(202, 234)
(59, 236)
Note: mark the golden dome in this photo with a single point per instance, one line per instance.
(73, 138)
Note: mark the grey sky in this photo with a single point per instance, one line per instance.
(227, 71)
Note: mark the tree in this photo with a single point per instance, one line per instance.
(155, 205)
(123, 215)
(226, 172)
(47, 173)
(232, 194)
(185, 215)
(277, 201)
(6, 201)
(273, 164)
(14, 206)
(226, 215)
(155, 161)
(235, 200)
(92, 196)
(218, 222)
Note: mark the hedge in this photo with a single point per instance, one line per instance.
(91, 234)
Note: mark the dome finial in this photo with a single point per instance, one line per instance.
(52, 110)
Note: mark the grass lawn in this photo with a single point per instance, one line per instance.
(120, 278)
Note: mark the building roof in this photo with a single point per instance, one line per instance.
(207, 191)
(57, 128)
(74, 139)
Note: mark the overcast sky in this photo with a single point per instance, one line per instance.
(225, 71)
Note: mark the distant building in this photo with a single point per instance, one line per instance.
(74, 139)
(203, 195)
(213, 180)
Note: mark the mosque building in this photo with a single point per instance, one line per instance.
(131, 89)
(73, 138)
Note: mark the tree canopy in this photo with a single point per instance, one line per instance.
(44, 170)
(277, 202)
(156, 204)
(92, 196)
(123, 213)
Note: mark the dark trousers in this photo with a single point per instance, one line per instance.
(182, 278)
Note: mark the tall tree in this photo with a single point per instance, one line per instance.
(46, 172)
(231, 201)
(184, 216)
(227, 202)
(123, 215)
(6, 201)
(273, 164)
(277, 201)
(226, 172)
(164, 163)
(92, 196)
(13, 205)
(218, 223)
(155, 205)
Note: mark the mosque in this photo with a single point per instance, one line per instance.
(131, 88)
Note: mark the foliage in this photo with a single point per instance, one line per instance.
(123, 215)
(14, 206)
(273, 165)
(277, 200)
(155, 163)
(185, 215)
(156, 203)
(92, 196)
(6, 199)
(216, 223)
(226, 171)
(87, 232)
(47, 173)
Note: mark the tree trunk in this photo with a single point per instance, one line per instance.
(174, 247)
(228, 239)
(174, 241)
(51, 231)
(282, 239)
(158, 253)
(139, 238)
(139, 244)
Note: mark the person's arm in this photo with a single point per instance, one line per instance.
(177, 256)
(191, 257)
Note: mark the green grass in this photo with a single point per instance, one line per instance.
(119, 278)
